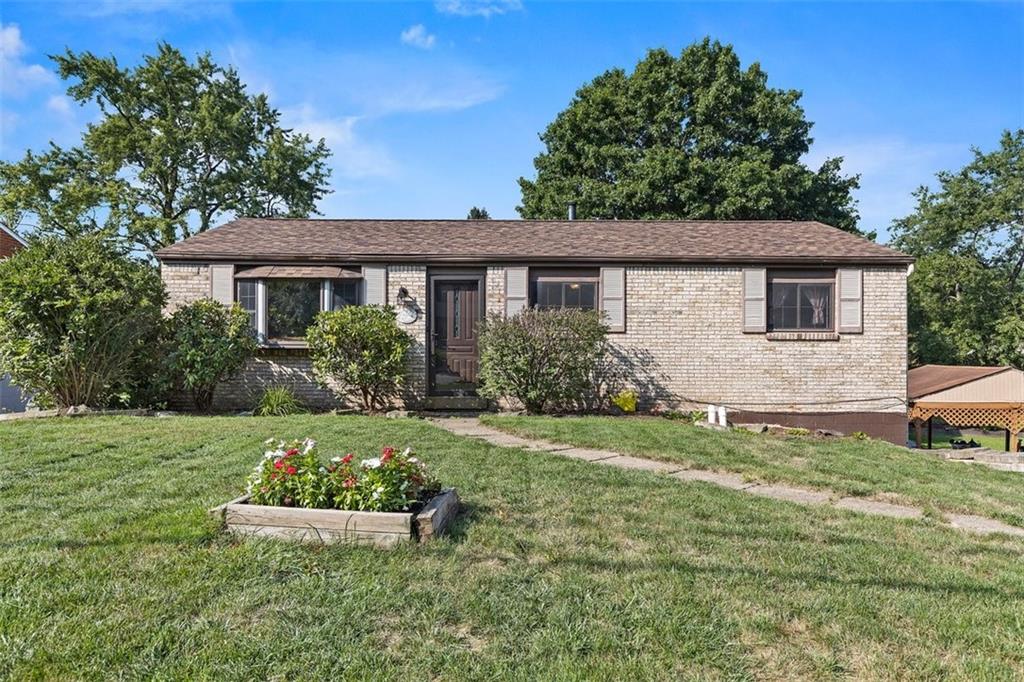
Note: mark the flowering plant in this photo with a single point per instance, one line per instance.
(291, 474)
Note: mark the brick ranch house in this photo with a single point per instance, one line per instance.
(796, 323)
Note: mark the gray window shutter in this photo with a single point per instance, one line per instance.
(755, 299)
(375, 284)
(613, 298)
(222, 283)
(851, 300)
(517, 290)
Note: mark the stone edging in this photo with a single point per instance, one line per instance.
(472, 428)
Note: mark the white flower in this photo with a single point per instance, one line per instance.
(413, 459)
(406, 452)
(371, 463)
(308, 445)
(335, 460)
(269, 441)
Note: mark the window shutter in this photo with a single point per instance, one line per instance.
(517, 290)
(613, 298)
(755, 294)
(851, 300)
(222, 283)
(375, 283)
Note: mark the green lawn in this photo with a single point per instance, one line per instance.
(941, 440)
(558, 569)
(845, 465)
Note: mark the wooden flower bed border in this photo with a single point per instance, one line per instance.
(383, 529)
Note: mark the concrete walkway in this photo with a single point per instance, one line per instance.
(472, 428)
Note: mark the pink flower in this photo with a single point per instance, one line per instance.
(349, 482)
(347, 458)
(292, 452)
(291, 470)
(278, 464)
(387, 454)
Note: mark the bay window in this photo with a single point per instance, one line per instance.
(282, 309)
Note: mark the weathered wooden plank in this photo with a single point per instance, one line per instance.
(438, 514)
(329, 519)
(320, 535)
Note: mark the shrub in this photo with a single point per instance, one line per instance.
(79, 320)
(547, 360)
(626, 401)
(278, 401)
(208, 344)
(360, 353)
(291, 475)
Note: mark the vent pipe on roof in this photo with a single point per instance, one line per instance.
(572, 210)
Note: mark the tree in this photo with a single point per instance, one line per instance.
(360, 352)
(209, 344)
(478, 214)
(966, 294)
(177, 146)
(78, 319)
(687, 137)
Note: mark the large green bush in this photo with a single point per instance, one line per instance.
(209, 343)
(547, 360)
(80, 322)
(360, 353)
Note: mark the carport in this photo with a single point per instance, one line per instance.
(967, 397)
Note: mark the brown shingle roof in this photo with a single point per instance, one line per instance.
(452, 241)
(928, 379)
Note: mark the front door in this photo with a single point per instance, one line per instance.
(455, 359)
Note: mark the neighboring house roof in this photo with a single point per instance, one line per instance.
(9, 242)
(929, 379)
(462, 241)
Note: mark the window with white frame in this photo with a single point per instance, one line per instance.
(283, 309)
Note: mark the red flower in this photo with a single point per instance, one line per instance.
(291, 470)
(349, 482)
(347, 458)
(387, 454)
(292, 452)
(278, 464)
(273, 477)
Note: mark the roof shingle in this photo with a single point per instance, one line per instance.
(464, 241)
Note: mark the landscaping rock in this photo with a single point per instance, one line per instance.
(244, 413)
(828, 433)
(165, 413)
(397, 414)
(77, 410)
(753, 428)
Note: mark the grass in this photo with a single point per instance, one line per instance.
(558, 569)
(846, 465)
(941, 440)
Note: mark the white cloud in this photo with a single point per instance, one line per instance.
(352, 157)
(417, 36)
(890, 169)
(16, 76)
(59, 104)
(477, 8)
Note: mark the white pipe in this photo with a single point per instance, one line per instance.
(722, 420)
(711, 414)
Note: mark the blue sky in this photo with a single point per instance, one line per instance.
(432, 107)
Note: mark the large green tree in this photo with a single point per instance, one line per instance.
(966, 294)
(178, 145)
(688, 137)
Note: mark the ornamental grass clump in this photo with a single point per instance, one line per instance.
(292, 475)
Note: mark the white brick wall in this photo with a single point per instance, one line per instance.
(683, 342)
(684, 335)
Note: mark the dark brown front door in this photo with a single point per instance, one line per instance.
(455, 358)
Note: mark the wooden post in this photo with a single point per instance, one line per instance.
(929, 433)
(1013, 442)
(917, 432)
(1007, 439)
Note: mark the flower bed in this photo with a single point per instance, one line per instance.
(382, 500)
